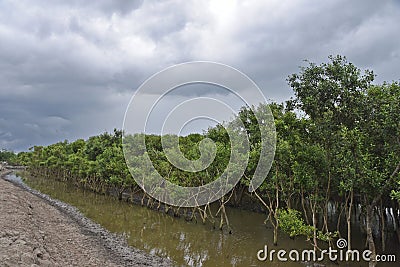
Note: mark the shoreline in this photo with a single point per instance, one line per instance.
(113, 247)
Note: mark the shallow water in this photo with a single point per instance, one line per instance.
(187, 243)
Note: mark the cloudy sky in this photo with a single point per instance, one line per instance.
(69, 68)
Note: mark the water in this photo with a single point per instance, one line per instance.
(186, 243)
(14, 178)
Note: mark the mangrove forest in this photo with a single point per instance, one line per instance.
(337, 157)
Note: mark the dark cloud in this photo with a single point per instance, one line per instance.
(69, 68)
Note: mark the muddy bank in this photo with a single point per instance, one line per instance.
(36, 230)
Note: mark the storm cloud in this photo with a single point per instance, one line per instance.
(69, 68)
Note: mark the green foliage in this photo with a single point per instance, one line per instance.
(290, 222)
(7, 156)
(396, 194)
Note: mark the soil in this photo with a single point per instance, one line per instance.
(36, 230)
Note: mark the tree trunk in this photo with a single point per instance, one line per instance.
(339, 218)
(273, 214)
(238, 195)
(314, 221)
(276, 225)
(370, 236)
(325, 213)
(303, 205)
(348, 219)
(397, 222)
(383, 226)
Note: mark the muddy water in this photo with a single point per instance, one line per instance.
(187, 243)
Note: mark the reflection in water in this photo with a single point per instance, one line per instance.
(186, 243)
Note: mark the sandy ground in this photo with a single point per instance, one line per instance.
(36, 230)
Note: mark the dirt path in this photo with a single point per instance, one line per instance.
(38, 231)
